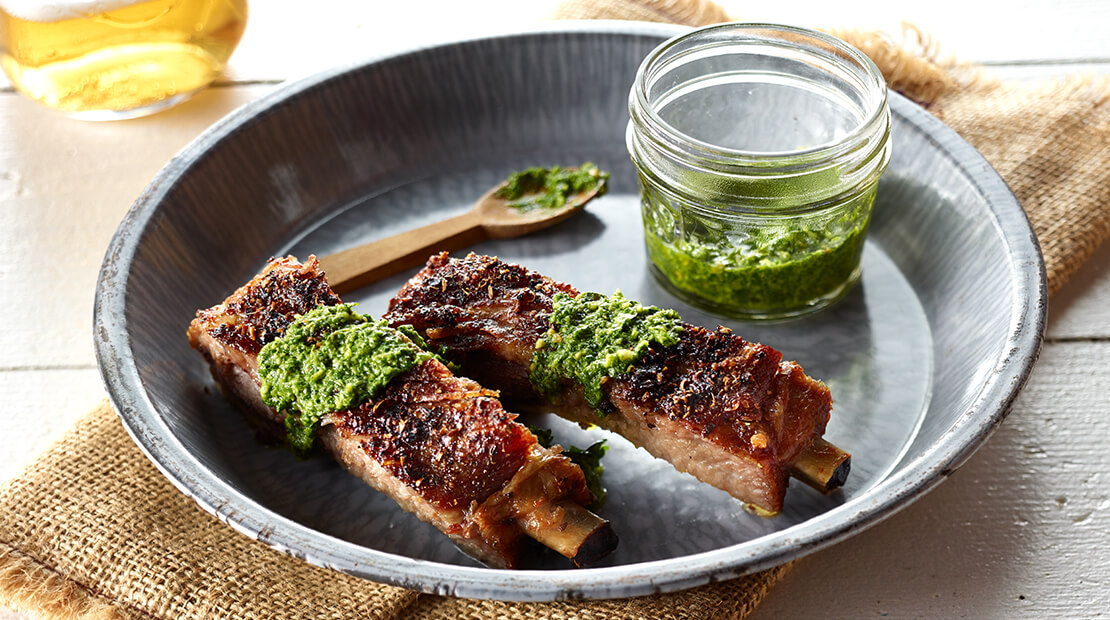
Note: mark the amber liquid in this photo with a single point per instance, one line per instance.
(123, 62)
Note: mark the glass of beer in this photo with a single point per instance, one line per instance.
(116, 59)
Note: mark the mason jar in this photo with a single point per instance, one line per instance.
(759, 149)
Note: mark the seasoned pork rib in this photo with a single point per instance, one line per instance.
(441, 446)
(730, 412)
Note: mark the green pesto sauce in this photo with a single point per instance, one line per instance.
(777, 270)
(331, 359)
(589, 460)
(767, 283)
(549, 188)
(593, 337)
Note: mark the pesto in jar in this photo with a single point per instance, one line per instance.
(759, 149)
(766, 269)
(331, 359)
(594, 337)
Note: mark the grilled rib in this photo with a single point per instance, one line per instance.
(441, 446)
(730, 412)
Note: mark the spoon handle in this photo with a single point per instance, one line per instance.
(361, 265)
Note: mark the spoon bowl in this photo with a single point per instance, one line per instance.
(491, 217)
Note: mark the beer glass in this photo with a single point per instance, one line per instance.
(115, 59)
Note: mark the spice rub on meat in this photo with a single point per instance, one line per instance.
(441, 446)
(728, 411)
(445, 435)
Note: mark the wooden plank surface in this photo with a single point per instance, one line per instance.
(1020, 530)
(284, 40)
(65, 186)
(31, 427)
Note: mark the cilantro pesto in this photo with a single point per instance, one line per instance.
(331, 359)
(549, 188)
(764, 270)
(594, 337)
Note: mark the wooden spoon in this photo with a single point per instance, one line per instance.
(490, 218)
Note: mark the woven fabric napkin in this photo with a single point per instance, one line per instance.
(92, 530)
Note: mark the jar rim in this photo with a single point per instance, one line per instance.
(744, 158)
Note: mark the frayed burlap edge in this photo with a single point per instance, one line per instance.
(689, 12)
(28, 585)
(911, 64)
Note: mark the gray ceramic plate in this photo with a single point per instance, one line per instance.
(923, 358)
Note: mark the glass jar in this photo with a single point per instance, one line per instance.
(116, 59)
(759, 150)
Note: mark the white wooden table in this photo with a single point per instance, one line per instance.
(1022, 529)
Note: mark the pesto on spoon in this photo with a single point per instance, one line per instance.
(526, 202)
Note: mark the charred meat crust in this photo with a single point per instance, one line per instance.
(265, 307)
(737, 396)
(440, 445)
(446, 436)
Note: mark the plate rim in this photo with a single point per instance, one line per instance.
(913, 479)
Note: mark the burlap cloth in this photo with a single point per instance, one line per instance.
(91, 529)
